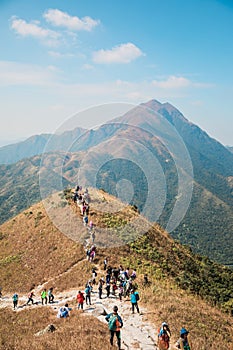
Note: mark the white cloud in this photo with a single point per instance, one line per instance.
(58, 54)
(124, 53)
(87, 66)
(62, 19)
(33, 29)
(172, 82)
(178, 82)
(12, 73)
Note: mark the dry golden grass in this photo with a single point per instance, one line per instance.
(17, 331)
(33, 251)
(210, 329)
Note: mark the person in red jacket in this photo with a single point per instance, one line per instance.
(80, 300)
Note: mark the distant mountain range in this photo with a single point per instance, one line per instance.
(35, 145)
(142, 155)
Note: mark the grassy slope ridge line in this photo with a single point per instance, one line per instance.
(33, 251)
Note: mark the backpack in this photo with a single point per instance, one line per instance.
(185, 344)
(88, 290)
(15, 297)
(112, 322)
(137, 296)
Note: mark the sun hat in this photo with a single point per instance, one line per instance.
(183, 331)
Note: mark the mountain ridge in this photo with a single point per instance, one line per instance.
(178, 278)
(127, 137)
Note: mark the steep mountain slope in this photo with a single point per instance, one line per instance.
(19, 183)
(152, 154)
(179, 279)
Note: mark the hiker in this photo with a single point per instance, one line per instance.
(94, 275)
(115, 323)
(127, 273)
(85, 220)
(105, 264)
(91, 225)
(108, 278)
(93, 237)
(133, 275)
(145, 280)
(100, 288)
(80, 300)
(63, 311)
(120, 291)
(50, 295)
(114, 287)
(92, 255)
(134, 297)
(164, 335)
(30, 298)
(15, 300)
(183, 342)
(44, 297)
(88, 293)
(88, 252)
(108, 287)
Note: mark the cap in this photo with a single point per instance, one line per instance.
(183, 331)
(164, 324)
(115, 308)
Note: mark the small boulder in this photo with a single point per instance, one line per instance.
(49, 329)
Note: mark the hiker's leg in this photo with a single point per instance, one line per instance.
(111, 337)
(118, 335)
(133, 308)
(137, 308)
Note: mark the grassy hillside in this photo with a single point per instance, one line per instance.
(17, 331)
(185, 289)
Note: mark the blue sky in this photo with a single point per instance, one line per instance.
(59, 58)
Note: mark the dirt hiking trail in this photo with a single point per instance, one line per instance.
(137, 332)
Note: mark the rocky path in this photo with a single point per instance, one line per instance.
(137, 332)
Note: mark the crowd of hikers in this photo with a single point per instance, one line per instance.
(115, 282)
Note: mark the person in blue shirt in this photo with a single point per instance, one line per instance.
(134, 297)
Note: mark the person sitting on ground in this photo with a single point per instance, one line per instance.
(115, 324)
(183, 342)
(64, 311)
(164, 335)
